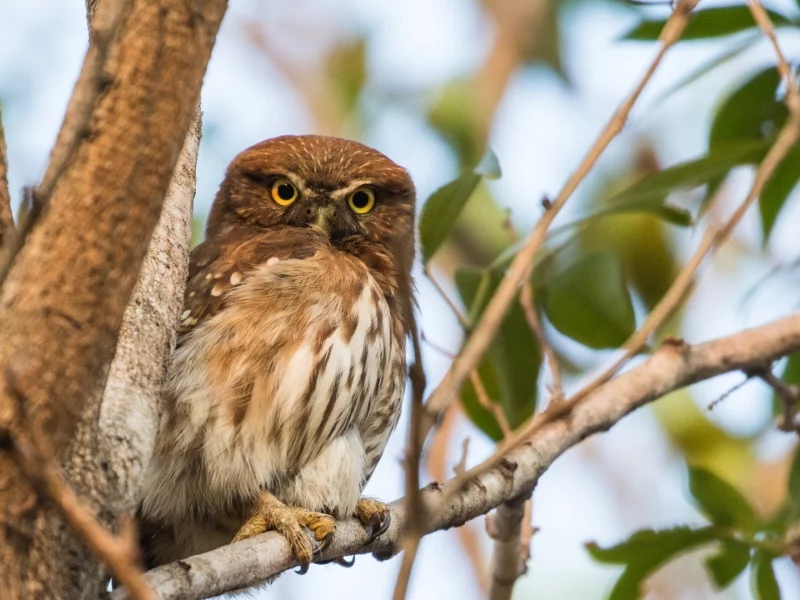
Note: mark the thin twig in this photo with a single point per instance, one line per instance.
(526, 301)
(415, 526)
(789, 395)
(489, 404)
(6, 216)
(521, 266)
(461, 317)
(765, 24)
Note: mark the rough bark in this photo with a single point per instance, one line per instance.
(672, 367)
(130, 407)
(6, 217)
(63, 301)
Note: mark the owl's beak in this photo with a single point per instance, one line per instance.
(323, 218)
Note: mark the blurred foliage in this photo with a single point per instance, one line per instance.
(739, 536)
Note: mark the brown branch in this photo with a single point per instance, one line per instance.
(789, 395)
(520, 268)
(765, 24)
(490, 405)
(671, 367)
(6, 216)
(415, 526)
(69, 285)
(526, 301)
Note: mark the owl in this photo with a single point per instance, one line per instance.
(290, 364)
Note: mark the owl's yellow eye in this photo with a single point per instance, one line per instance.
(284, 192)
(361, 201)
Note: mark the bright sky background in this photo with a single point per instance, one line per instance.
(541, 132)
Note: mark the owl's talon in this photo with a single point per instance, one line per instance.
(374, 516)
(307, 532)
(302, 569)
(343, 562)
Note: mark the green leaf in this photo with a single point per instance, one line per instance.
(764, 583)
(589, 302)
(709, 23)
(719, 501)
(728, 55)
(778, 188)
(513, 358)
(644, 552)
(346, 70)
(725, 566)
(443, 207)
(752, 112)
(693, 173)
(794, 486)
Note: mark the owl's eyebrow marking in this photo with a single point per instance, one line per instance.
(354, 185)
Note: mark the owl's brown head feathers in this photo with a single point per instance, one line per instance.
(358, 199)
(337, 186)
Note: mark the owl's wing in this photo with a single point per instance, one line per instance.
(216, 266)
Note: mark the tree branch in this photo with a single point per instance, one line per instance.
(671, 367)
(6, 216)
(520, 268)
(131, 401)
(505, 527)
(71, 281)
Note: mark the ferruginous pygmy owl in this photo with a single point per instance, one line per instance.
(290, 367)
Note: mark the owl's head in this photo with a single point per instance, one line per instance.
(340, 188)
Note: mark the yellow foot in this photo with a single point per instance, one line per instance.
(294, 524)
(374, 516)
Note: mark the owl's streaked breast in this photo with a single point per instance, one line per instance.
(302, 371)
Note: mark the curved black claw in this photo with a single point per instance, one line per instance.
(302, 569)
(342, 562)
(384, 527)
(378, 525)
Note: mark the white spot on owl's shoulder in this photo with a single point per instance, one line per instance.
(236, 278)
(273, 260)
(217, 290)
(185, 314)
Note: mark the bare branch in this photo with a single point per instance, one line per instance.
(129, 413)
(765, 24)
(789, 395)
(71, 281)
(526, 301)
(505, 527)
(671, 367)
(520, 268)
